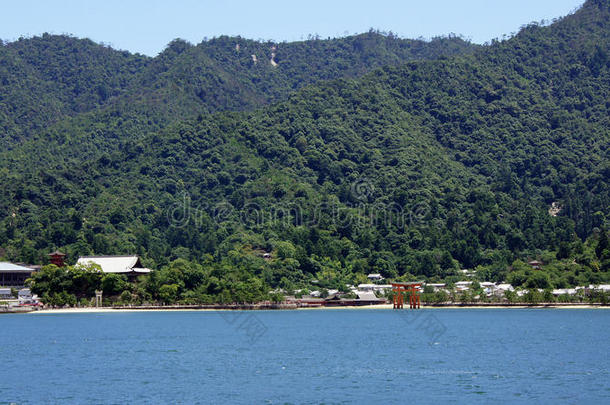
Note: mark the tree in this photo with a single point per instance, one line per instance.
(538, 280)
(113, 283)
(602, 244)
(533, 296)
(564, 250)
(548, 296)
(168, 293)
(125, 297)
(511, 296)
(50, 280)
(285, 250)
(85, 279)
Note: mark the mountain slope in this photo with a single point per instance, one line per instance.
(411, 170)
(46, 79)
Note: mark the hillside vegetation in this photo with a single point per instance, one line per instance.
(465, 158)
(48, 79)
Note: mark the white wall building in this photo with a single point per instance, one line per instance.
(462, 285)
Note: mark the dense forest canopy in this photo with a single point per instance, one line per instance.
(52, 78)
(342, 157)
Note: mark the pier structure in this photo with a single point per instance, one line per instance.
(399, 290)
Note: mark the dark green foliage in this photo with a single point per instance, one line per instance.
(412, 170)
(52, 79)
(61, 286)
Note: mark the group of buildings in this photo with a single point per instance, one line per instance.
(13, 276)
(374, 291)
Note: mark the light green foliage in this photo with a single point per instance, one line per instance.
(285, 250)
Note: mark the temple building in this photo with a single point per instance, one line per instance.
(14, 275)
(57, 258)
(128, 265)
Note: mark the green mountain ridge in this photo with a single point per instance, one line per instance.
(414, 169)
(46, 79)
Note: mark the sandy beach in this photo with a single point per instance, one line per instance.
(101, 310)
(379, 307)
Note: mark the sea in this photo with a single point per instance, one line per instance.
(330, 356)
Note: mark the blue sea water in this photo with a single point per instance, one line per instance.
(308, 356)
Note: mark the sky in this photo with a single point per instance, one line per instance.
(147, 26)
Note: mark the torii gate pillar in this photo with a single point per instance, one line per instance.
(400, 288)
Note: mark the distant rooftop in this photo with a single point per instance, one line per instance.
(56, 253)
(367, 296)
(407, 283)
(115, 264)
(10, 267)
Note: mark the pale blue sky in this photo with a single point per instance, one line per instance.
(146, 26)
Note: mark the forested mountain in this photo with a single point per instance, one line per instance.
(415, 169)
(47, 78)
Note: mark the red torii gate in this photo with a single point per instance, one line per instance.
(399, 288)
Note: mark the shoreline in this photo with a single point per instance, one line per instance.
(280, 308)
